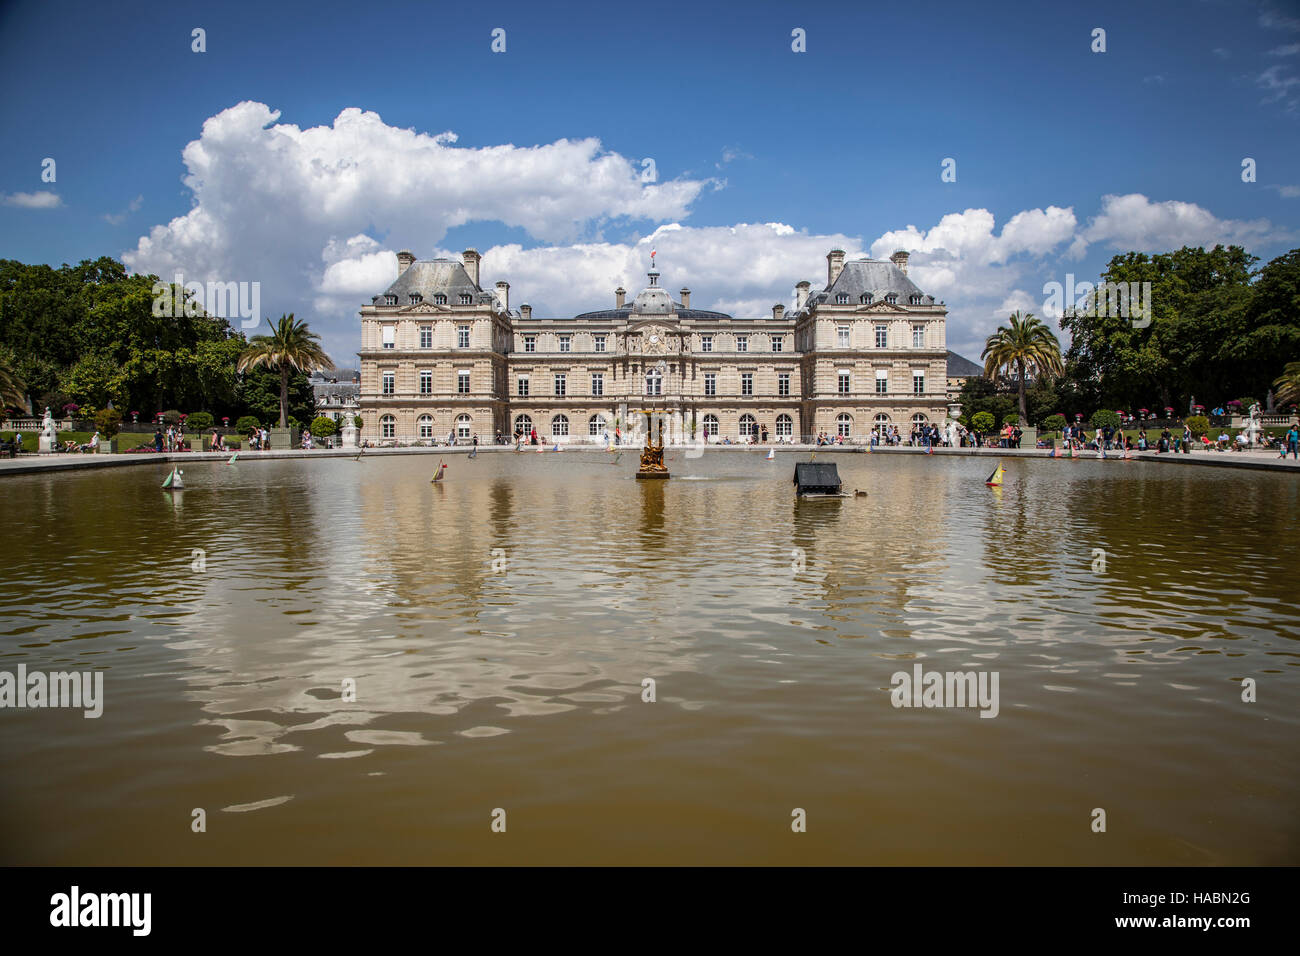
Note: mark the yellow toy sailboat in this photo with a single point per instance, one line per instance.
(442, 466)
(995, 479)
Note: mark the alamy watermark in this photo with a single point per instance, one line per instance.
(1114, 300)
(82, 690)
(946, 689)
(226, 300)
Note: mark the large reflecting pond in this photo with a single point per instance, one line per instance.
(498, 627)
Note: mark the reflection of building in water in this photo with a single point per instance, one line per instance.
(441, 354)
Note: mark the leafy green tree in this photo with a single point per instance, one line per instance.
(199, 421)
(247, 425)
(259, 395)
(1054, 423)
(291, 346)
(1288, 385)
(322, 426)
(1026, 346)
(982, 422)
(96, 380)
(12, 391)
(1199, 424)
(1103, 417)
(108, 421)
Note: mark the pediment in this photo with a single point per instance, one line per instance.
(424, 308)
(882, 308)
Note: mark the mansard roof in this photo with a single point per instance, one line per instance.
(875, 276)
(432, 276)
(961, 367)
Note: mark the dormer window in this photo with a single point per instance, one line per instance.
(866, 298)
(439, 299)
(842, 299)
(416, 298)
(465, 298)
(914, 300)
(892, 298)
(390, 300)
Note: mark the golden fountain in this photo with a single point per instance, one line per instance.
(652, 455)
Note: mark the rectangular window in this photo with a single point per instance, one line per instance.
(462, 336)
(600, 343)
(882, 336)
(710, 383)
(462, 383)
(844, 380)
(560, 387)
(426, 383)
(390, 383)
(390, 336)
(746, 383)
(842, 334)
(742, 343)
(918, 383)
(597, 383)
(521, 386)
(426, 336)
(566, 342)
(530, 343)
(783, 383)
(882, 381)
(918, 336)
(706, 343)
(778, 343)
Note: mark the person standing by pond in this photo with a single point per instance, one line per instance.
(1292, 444)
(157, 440)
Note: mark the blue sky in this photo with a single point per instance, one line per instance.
(840, 145)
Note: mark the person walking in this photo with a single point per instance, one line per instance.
(157, 439)
(1292, 443)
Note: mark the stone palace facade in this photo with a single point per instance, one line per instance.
(441, 354)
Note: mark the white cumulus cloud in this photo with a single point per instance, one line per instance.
(42, 199)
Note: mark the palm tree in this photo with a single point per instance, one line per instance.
(12, 390)
(291, 345)
(1288, 385)
(1025, 346)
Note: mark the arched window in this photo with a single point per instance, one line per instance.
(784, 426)
(388, 427)
(844, 424)
(748, 426)
(882, 419)
(559, 426)
(464, 425)
(523, 425)
(919, 419)
(425, 423)
(710, 426)
(596, 426)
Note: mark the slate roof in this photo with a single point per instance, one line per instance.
(959, 367)
(426, 278)
(876, 276)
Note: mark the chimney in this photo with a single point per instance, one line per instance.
(503, 296)
(526, 312)
(834, 266)
(778, 311)
(899, 259)
(619, 295)
(801, 290)
(686, 298)
(404, 260)
(471, 259)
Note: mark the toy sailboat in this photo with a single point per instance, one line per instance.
(173, 480)
(232, 458)
(557, 447)
(771, 454)
(442, 466)
(995, 479)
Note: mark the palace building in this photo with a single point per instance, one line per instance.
(441, 354)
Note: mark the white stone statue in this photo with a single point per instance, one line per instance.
(1252, 426)
(349, 436)
(48, 436)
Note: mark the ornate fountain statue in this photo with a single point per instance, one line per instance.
(47, 441)
(952, 426)
(349, 435)
(652, 455)
(1252, 426)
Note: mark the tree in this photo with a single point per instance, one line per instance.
(1288, 385)
(1103, 417)
(108, 421)
(198, 421)
(1028, 347)
(1054, 423)
(259, 396)
(322, 426)
(12, 392)
(982, 422)
(247, 425)
(290, 346)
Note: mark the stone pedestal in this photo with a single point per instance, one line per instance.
(281, 439)
(349, 438)
(1028, 436)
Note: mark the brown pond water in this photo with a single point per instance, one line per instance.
(771, 628)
